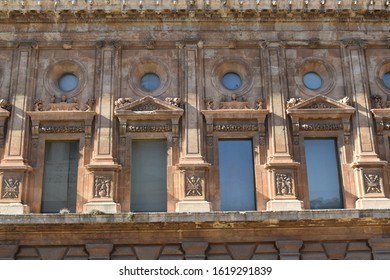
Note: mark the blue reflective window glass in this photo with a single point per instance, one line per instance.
(149, 176)
(323, 174)
(231, 81)
(68, 82)
(237, 184)
(386, 79)
(312, 81)
(150, 82)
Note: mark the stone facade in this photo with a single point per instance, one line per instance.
(109, 46)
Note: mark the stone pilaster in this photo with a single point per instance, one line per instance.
(368, 168)
(103, 167)
(282, 168)
(193, 170)
(14, 168)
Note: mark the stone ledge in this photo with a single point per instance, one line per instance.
(268, 217)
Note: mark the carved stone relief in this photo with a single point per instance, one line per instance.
(147, 107)
(149, 128)
(235, 127)
(175, 101)
(321, 126)
(64, 104)
(120, 102)
(11, 187)
(372, 183)
(284, 184)
(61, 129)
(102, 187)
(193, 186)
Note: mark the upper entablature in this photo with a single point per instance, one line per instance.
(198, 8)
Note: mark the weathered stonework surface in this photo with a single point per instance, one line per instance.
(336, 234)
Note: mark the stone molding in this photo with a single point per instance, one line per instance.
(158, 6)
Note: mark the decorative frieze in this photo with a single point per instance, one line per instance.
(11, 188)
(102, 187)
(64, 105)
(230, 127)
(149, 128)
(321, 126)
(284, 184)
(146, 107)
(194, 186)
(62, 129)
(372, 183)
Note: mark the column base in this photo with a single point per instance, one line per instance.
(193, 206)
(105, 207)
(14, 208)
(373, 203)
(284, 205)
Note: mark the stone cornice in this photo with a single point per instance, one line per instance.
(89, 9)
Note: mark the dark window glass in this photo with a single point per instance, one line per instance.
(312, 81)
(68, 82)
(231, 81)
(323, 174)
(386, 79)
(150, 82)
(60, 176)
(149, 176)
(237, 185)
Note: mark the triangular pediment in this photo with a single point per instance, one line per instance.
(320, 102)
(148, 104)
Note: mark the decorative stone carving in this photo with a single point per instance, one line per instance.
(102, 187)
(147, 107)
(386, 126)
(149, 128)
(38, 105)
(260, 104)
(5, 104)
(372, 183)
(11, 188)
(284, 184)
(120, 102)
(234, 105)
(321, 126)
(293, 101)
(88, 106)
(376, 102)
(175, 101)
(345, 100)
(193, 186)
(235, 127)
(61, 129)
(321, 105)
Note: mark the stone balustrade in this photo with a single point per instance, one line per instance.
(115, 6)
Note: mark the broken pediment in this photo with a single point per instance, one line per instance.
(319, 107)
(148, 114)
(147, 104)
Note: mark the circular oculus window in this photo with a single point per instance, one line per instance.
(150, 82)
(312, 81)
(386, 79)
(68, 82)
(231, 81)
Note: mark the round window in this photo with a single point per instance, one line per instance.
(386, 79)
(150, 82)
(231, 81)
(312, 81)
(68, 82)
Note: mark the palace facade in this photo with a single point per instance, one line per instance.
(195, 129)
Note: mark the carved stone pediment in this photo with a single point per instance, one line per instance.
(149, 114)
(321, 107)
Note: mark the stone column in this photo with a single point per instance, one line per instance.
(193, 170)
(282, 169)
(14, 168)
(368, 167)
(103, 166)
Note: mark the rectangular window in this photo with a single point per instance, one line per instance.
(60, 176)
(149, 176)
(323, 172)
(237, 185)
